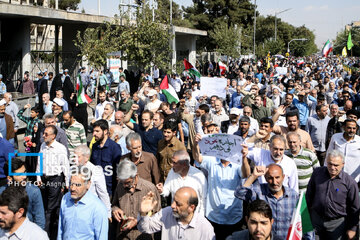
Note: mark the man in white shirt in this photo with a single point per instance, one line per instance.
(219, 114)
(99, 110)
(176, 82)
(55, 168)
(262, 157)
(13, 221)
(98, 184)
(181, 175)
(349, 144)
(254, 125)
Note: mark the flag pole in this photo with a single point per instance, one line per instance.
(295, 220)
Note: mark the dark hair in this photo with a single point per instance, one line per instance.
(164, 104)
(352, 121)
(68, 112)
(149, 112)
(267, 120)
(170, 125)
(161, 115)
(102, 123)
(53, 128)
(344, 91)
(16, 163)
(35, 109)
(205, 108)
(51, 74)
(193, 200)
(292, 114)
(353, 112)
(244, 119)
(321, 97)
(15, 198)
(259, 206)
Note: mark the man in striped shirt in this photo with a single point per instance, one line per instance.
(75, 132)
(306, 160)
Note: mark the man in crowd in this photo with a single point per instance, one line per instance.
(13, 221)
(12, 110)
(75, 132)
(129, 193)
(6, 123)
(183, 174)
(146, 163)
(332, 198)
(47, 106)
(170, 220)
(262, 138)
(82, 214)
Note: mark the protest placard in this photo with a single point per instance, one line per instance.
(223, 146)
(281, 70)
(213, 86)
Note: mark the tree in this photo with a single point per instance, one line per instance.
(227, 39)
(207, 14)
(95, 43)
(67, 4)
(341, 42)
(146, 42)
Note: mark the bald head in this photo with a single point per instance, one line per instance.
(188, 194)
(348, 105)
(115, 132)
(7, 97)
(119, 117)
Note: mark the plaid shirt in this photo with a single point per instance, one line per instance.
(282, 208)
(30, 122)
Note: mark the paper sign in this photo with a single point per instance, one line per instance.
(281, 70)
(223, 146)
(213, 86)
(114, 65)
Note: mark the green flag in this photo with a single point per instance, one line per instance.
(349, 42)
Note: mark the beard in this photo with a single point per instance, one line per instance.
(180, 215)
(99, 139)
(138, 154)
(7, 226)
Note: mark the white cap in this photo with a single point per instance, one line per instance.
(152, 92)
(59, 102)
(2, 102)
(66, 70)
(235, 111)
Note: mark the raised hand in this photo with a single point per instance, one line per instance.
(259, 171)
(148, 203)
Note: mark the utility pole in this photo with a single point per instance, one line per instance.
(255, 29)
(98, 7)
(277, 13)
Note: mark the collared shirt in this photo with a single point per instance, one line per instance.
(305, 139)
(152, 105)
(75, 134)
(245, 235)
(282, 207)
(191, 104)
(262, 157)
(219, 118)
(30, 122)
(147, 166)
(55, 161)
(334, 198)
(165, 153)
(236, 100)
(149, 139)
(107, 157)
(86, 219)
(232, 128)
(221, 205)
(98, 185)
(199, 228)
(2, 87)
(5, 149)
(12, 110)
(27, 231)
(351, 151)
(316, 127)
(99, 110)
(305, 161)
(125, 106)
(48, 108)
(130, 203)
(194, 178)
(123, 86)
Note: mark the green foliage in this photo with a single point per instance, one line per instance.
(227, 39)
(95, 43)
(146, 42)
(67, 4)
(341, 41)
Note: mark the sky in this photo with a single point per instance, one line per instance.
(324, 18)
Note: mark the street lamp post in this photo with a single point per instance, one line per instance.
(296, 39)
(254, 27)
(277, 13)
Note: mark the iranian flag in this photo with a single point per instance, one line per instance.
(300, 222)
(82, 97)
(223, 68)
(301, 61)
(328, 47)
(195, 74)
(168, 91)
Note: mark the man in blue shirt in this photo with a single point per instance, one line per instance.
(5, 149)
(105, 153)
(35, 211)
(223, 209)
(82, 214)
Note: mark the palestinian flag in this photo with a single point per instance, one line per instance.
(328, 47)
(82, 97)
(194, 73)
(168, 90)
(223, 68)
(300, 222)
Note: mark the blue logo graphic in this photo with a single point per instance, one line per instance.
(16, 154)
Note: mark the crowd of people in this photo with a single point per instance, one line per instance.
(136, 170)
